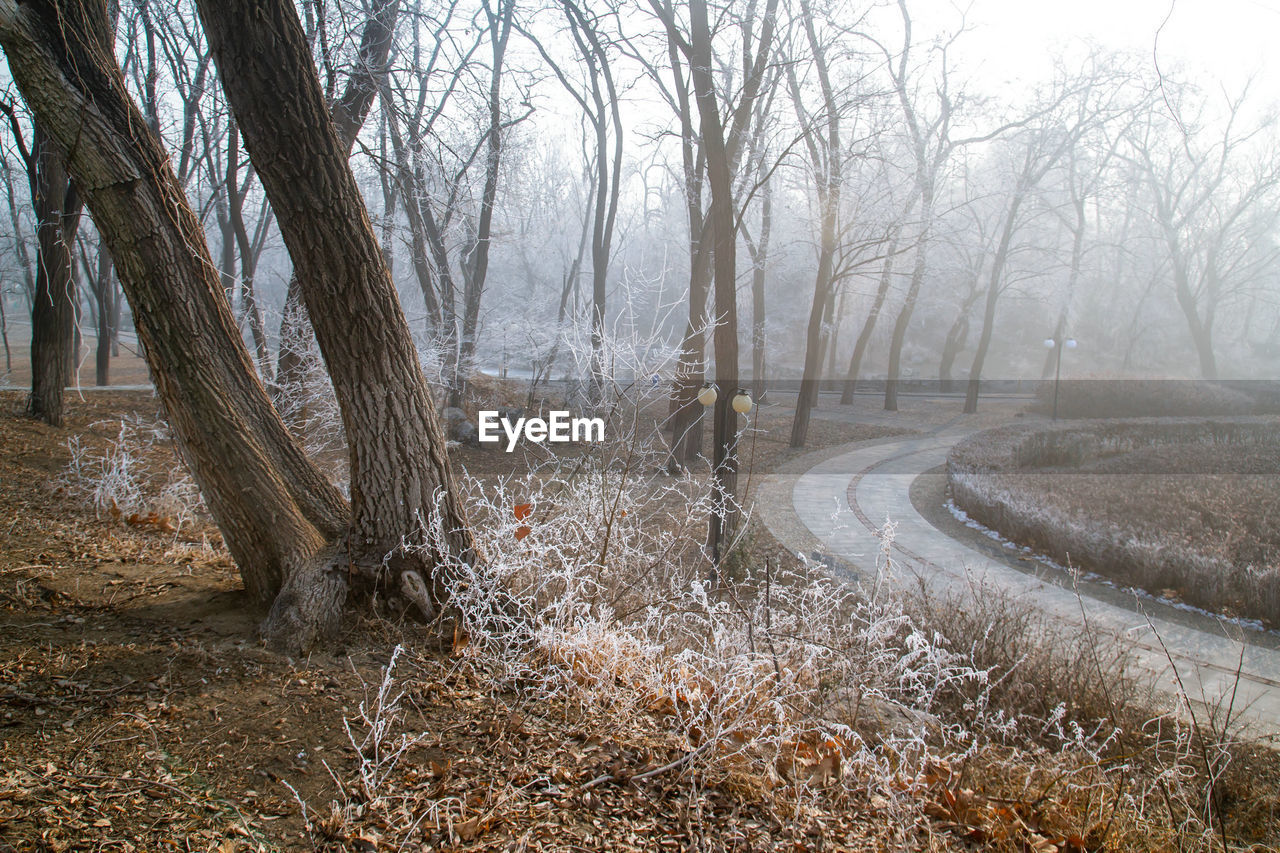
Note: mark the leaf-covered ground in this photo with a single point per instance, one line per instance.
(137, 711)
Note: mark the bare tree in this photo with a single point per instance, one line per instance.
(722, 142)
(287, 527)
(826, 154)
(1211, 193)
(54, 306)
(434, 193)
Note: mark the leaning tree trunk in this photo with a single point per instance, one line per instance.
(53, 311)
(349, 113)
(401, 481)
(277, 513)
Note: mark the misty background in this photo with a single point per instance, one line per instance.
(1105, 173)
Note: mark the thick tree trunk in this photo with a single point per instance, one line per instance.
(400, 475)
(53, 311)
(349, 113)
(275, 510)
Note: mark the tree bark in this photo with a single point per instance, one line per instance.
(53, 311)
(105, 288)
(275, 510)
(349, 112)
(401, 481)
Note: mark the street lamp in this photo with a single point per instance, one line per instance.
(1059, 345)
(708, 395)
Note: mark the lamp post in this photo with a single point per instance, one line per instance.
(741, 403)
(1059, 344)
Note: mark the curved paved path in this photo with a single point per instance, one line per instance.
(836, 501)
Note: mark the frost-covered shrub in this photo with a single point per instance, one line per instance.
(118, 481)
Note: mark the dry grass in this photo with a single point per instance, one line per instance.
(1182, 509)
(646, 709)
(1149, 398)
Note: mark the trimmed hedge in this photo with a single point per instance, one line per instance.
(1150, 398)
(999, 478)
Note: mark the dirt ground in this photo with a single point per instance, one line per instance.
(138, 712)
(128, 368)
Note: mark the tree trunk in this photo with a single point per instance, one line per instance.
(957, 336)
(275, 510)
(349, 113)
(869, 325)
(53, 311)
(720, 216)
(1200, 330)
(401, 481)
(812, 374)
(4, 335)
(106, 291)
(989, 314)
(903, 322)
(760, 260)
(687, 414)
(825, 156)
(1073, 277)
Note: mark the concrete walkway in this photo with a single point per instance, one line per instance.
(834, 503)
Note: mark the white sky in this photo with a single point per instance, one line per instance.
(1225, 40)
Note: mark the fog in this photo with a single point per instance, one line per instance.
(1100, 173)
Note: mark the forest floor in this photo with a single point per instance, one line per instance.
(138, 711)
